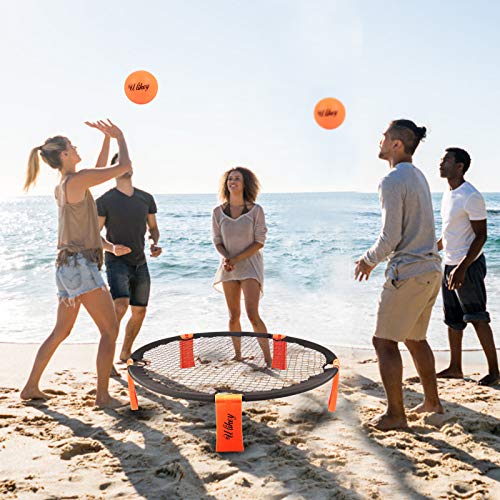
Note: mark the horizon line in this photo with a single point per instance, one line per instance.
(28, 195)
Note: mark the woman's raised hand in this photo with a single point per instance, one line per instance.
(109, 128)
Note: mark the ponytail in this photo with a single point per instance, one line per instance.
(50, 153)
(33, 168)
(422, 132)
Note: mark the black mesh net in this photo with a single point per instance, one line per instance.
(215, 369)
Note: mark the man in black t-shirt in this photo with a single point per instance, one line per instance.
(127, 213)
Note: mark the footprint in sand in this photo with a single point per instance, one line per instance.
(79, 447)
(297, 440)
(7, 486)
(481, 425)
(365, 361)
(55, 392)
(172, 470)
(243, 481)
(462, 489)
(256, 411)
(269, 418)
(370, 387)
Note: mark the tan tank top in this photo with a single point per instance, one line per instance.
(78, 230)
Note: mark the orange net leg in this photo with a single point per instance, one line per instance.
(332, 402)
(186, 350)
(279, 352)
(228, 419)
(134, 403)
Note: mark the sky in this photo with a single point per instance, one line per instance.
(238, 82)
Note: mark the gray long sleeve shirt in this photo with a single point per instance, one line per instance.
(408, 237)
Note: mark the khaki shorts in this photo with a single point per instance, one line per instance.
(405, 307)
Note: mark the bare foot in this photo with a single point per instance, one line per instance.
(125, 356)
(387, 422)
(428, 408)
(114, 373)
(490, 379)
(237, 357)
(450, 373)
(110, 403)
(27, 394)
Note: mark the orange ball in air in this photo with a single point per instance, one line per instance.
(141, 87)
(329, 113)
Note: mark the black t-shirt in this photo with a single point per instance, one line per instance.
(126, 218)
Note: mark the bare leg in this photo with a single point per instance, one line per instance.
(132, 330)
(232, 292)
(391, 371)
(424, 362)
(99, 305)
(485, 336)
(455, 368)
(121, 305)
(251, 292)
(66, 317)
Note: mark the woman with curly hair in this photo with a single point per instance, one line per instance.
(239, 233)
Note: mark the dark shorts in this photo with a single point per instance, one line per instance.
(468, 303)
(127, 281)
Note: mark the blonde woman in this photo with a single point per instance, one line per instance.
(79, 255)
(239, 233)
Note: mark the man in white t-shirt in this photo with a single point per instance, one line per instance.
(464, 233)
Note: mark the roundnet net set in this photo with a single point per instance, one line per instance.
(202, 367)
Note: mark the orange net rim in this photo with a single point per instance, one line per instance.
(137, 369)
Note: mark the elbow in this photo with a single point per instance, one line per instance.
(125, 163)
(389, 242)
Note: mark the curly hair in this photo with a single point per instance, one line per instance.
(251, 185)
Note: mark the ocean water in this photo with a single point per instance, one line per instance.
(313, 241)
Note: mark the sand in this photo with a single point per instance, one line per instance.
(294, 448)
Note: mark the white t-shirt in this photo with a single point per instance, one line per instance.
(458, 207)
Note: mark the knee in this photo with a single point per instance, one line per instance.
(139, 314)
(414, 345)
(60, 333)
(121, 309)
(253, 317)
(110, 331)
(383, 346)
(234, 315)
(121, 306)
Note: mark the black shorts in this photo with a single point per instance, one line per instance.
(127, 281)
(468, 303)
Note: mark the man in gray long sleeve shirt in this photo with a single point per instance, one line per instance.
(407, 237)
(408, 241)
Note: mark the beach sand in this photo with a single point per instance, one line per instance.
(294, 448)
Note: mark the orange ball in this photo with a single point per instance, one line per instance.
(329, 113)
(141, 87)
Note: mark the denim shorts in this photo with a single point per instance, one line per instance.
(128, 281)
(467, 303)
(77, 277)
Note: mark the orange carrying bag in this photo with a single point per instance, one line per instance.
(228, 420)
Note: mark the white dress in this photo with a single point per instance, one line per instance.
(237, 235)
